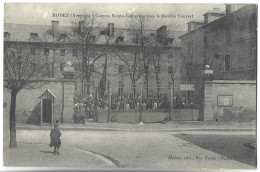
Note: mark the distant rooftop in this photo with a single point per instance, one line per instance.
(22, 32)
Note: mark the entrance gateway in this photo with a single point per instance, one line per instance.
(47, 103)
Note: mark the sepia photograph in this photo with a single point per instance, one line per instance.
(168, 86)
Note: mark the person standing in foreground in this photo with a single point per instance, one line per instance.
(55, 138)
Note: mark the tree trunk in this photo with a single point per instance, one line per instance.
(157, 85)
(134, 85)
(147, 84)
(48, 67)
(12, 126)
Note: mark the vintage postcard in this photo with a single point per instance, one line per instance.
(151, 86)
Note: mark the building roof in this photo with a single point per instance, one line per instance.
(196, 21)
(47, 95)
(215, 12)
(22, 32)
(209, 24)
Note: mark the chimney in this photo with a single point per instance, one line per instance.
(211, 16)
(161, 35)
(162, 30)
(230, 8)
(55, 28)
(111, 29)
(194, 24)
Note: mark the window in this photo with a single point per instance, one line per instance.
(6, 35)
(62, 52)
(227, 35)
(120, 88)
(46, 51)
(74, 52)
(61, 67)
(158, 85)
(191, 48)
(205, 42)
(32, 51)
(121, 68)
(227, 63)
(157, 69)
(170, 70)
(170, 55)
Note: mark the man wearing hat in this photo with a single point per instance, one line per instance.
(55, 138)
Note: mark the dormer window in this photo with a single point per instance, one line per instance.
(6, 35)
(34, 36)
(103, 32)
(170, 41)
(119, 40)
(63, 37)
(152, 34)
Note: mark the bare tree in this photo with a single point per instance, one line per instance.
(146, 43)
(86, 33)
(51, 59)
(164, 40)
(22, 66)
(132, 63)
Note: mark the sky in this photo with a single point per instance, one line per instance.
(173, 15)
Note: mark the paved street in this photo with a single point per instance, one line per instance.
(135, 149)
(238, 147)
(41, 155)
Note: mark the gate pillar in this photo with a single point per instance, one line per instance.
(208, 96)
(68, 91)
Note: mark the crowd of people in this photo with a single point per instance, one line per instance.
(129, 102)
(84, 106)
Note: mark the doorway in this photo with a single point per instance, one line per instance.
(47, 110)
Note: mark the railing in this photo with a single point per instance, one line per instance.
(147, 101)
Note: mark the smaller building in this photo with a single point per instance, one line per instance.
(224, 40)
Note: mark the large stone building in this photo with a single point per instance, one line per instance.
(224, 46)
(224, 40)
(58, 44)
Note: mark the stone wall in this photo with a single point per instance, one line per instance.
(28, 103)
(242, 107)
(132, 116)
